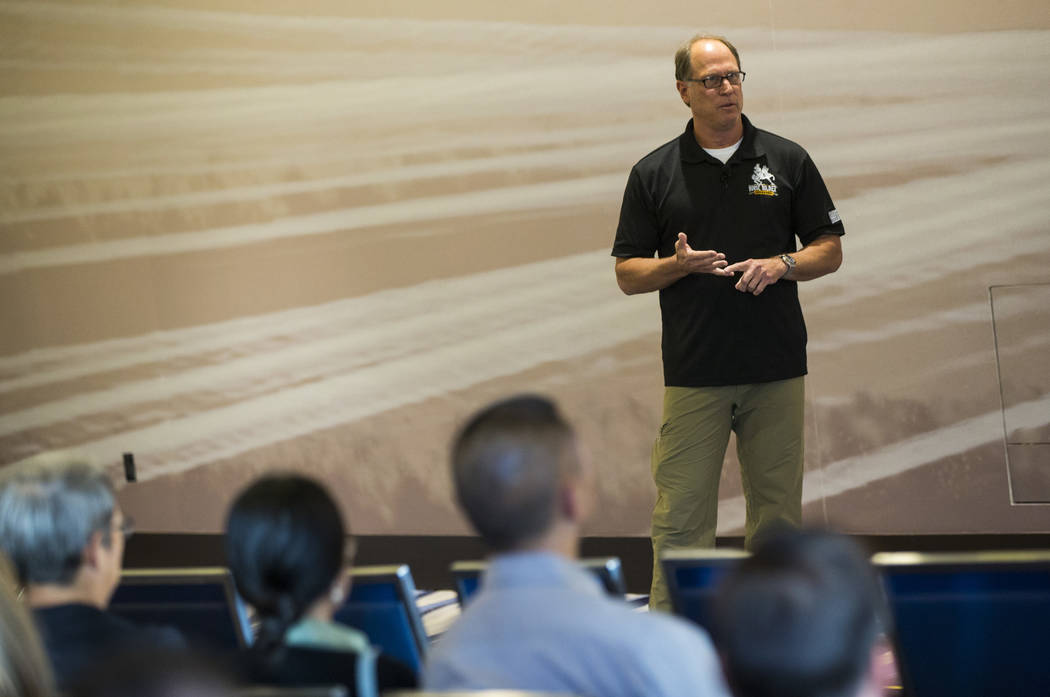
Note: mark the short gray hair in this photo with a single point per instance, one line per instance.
(50, 506)
(508, 462)
(683, 57)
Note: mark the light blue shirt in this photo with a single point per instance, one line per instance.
(540, 622)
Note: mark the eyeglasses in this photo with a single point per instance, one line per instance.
(713, 81)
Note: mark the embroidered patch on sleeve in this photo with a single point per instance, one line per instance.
(833, 214)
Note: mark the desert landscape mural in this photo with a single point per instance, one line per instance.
(236, 236)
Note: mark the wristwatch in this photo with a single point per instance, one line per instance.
(789, 260)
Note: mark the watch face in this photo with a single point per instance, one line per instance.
(788, 259)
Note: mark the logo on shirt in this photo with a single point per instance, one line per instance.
(764, 183)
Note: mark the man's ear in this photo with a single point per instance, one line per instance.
(89, 555)
(569, 503)
(683, 90)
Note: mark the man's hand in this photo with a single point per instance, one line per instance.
(692, 261)
(756, 274)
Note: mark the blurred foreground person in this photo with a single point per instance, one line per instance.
(24, 671)
(800, 618)
(64, 532)
(286, 546)
(539, 621)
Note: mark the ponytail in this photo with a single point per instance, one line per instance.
(269, 643)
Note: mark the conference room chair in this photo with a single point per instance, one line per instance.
(466, 576)
(692, 578)
(382, 604)
(969, 624)
(202, 603)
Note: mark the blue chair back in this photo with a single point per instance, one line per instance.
(970, 625)
(201, 603)
(382, 604)
(693, 576)
(609, 571)
(466, 575)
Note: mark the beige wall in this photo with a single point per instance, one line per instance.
(236, 239)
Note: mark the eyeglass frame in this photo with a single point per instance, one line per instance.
(726, 77)
(108, 529)
(127, 527)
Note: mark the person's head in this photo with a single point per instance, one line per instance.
(710, 56)
(519, 475)
(286, 548)
(799, 618)
(61, 527)
(683, 57)
(24, 668)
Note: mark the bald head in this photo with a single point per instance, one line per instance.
(683, 57)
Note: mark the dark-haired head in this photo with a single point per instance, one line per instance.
(285, 545)
(510, 464)
(799, 618)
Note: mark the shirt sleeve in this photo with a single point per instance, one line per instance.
(813, 213)
(637, 234)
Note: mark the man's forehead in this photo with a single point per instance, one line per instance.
(708, 51)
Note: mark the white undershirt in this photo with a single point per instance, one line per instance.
(724, 154)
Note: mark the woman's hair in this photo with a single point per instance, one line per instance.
(285, 543)
(24, 668)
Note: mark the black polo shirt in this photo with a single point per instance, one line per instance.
(754, 206)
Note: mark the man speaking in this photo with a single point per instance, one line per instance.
(710, 220)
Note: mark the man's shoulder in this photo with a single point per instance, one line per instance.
(658, 158)
(675, 629)
(594, 618)
(566, 647)
(75, 616)
(101, 626)
(777, 145)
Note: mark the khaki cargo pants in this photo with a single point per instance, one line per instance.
(687, 463)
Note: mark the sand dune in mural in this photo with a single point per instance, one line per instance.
(262, 243)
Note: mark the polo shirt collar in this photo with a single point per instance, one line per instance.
(692, 152)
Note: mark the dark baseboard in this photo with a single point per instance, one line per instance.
(429, 556)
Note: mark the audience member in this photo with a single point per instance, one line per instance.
(24, 671)
(61, 527)
(800, 618)
(540, 622)
(286, 547)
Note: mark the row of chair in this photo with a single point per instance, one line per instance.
(963, 624)
(204, 605)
